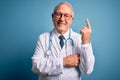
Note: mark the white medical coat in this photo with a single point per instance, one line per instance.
(49, 63)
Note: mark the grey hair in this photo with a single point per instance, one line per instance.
(68, 4)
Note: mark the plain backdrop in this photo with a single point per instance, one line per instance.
(21, 22)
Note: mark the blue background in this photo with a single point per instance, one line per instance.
(21, 22)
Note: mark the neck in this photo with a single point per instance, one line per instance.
(62, 32)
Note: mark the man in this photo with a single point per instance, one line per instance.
(62, 54)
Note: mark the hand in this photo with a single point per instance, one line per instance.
(86, 32)
(71, 60)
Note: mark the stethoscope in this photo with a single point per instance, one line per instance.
(48, 51)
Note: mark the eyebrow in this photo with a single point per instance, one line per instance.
(61, 12)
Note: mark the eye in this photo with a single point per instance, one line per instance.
(67, 15)
(57, 14)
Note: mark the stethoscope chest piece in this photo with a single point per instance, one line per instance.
(48, 52)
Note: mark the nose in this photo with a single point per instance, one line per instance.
(62, 17)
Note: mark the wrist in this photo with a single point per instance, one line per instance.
(64, 62)
(85, 42)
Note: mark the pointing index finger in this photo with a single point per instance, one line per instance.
(88, 24)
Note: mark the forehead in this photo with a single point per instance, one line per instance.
(64, 8)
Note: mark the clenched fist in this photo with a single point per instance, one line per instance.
(71, 60)
(86, 32)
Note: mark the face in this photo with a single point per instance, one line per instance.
(62, 18)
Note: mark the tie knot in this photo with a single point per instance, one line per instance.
(61, 37)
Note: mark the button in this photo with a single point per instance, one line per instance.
(48, 52)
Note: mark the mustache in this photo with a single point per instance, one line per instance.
(61, 22)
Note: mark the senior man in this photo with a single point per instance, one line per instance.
(63, 54)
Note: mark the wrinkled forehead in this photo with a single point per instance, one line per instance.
(64, 8)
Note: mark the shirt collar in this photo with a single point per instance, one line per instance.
(66, 34)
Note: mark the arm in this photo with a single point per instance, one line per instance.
(85, 60)
(45, 65)
(86, 57)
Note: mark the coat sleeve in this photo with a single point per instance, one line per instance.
(45, 65)
(87, 59)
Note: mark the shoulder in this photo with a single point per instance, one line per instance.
(43, 38)
(75, 34)
(44, 35)
(76, 37)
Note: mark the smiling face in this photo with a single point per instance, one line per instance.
(62, 18)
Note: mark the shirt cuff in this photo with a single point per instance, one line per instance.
(85, 45)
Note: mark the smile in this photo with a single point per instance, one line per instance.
(61, 23)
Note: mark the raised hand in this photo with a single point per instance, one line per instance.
(86, 32)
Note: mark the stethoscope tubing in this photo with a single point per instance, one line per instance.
(50, 42)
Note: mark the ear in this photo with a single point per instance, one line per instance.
(52, 15)
(72, 18)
